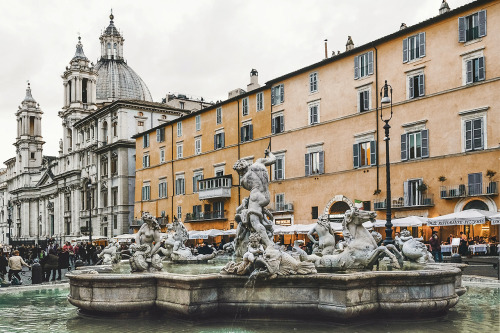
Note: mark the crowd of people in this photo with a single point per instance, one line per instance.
(53, 258)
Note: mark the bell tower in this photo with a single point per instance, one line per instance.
(79, 82)
(29, 139)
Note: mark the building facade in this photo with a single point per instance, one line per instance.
(91, 181)
(323, 124)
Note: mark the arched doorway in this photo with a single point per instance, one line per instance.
(476, 204)
(336, 208)
(339, 207)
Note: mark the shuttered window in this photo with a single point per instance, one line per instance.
(472, 27)
(146, 192)
(162, 189)
(415, 145)
(416, 86)
(218, 113)
(246, 133)
(219, 140)
(414, 47)
(313, 113)
(244, 106)
(179, 186)
(474, 134)
(315, 163)
(475, 183)
(179, 128)
(313, 82)
(475, 70)
(260, 101)
(145, 161)
(364, 154)
(145, 140)
(160, 134)
(197, 146)
(196, 180)
(363, 65)
(277, 94)
(279, 168)
(364, 100)
(198, 122)
(179, 151)
(278, 124)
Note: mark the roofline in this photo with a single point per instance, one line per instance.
(127, 103)
(382, 40)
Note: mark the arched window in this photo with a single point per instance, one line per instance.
(115, 129)
(114, 50)
(105, 131)
(109, 50)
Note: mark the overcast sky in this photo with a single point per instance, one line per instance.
(202, 48)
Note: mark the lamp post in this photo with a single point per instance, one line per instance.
(385, 99)
(89, 203)
(9, 221)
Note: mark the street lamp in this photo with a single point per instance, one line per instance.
(385, 99)
(9, 221)
(89, 203)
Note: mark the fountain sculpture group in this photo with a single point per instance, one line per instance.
(284, 284)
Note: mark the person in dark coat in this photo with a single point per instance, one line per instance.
(50, 265)
(4, 262)
(63, 261)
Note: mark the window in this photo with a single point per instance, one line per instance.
(218, 209)
(416, 86)
(179, 213)
(197, 212)
(414, 47)
(104, 166)
(279, 167)
(160, 134)
(412, 196)
(145, 161)
(115, 221)
(415, 145)
(246, 132)
(364, 100)
(277, 94)
(260, 101)
(115, 129)
(364, 154)
(196, 180)
(114, 163)
(279, 200)
(162, 188)
(218, 113)
(146, 192)
(179, 150)
(474, 70)
(314, 163)
(219, 140)
(475, 183)
(278, 123)
(313, 82)
(104, 194)
(181, 105)
(313, 113)
(472, 27)
(179, 128)
(145, 141)
(244, 106)
(162, 155)
(179, 185)
(314, 212)
(474, 134)
(197, 120)
(197, 146)
(140, 123)
(114, 196)
(363, 65)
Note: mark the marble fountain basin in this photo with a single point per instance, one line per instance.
(431, 290)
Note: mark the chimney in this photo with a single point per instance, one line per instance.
(350, 44)
(254, 80)
(326, 48)
(444, 7)
(403, 26)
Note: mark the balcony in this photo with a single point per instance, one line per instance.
(281, 207)
(422, 200)
(206, 216)
(471, 190)
(214, 188)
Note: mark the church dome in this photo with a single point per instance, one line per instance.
(116, 80)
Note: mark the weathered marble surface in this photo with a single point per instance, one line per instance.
(434, 289)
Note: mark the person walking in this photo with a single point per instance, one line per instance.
(50, 265)
(16, 264)
(436, 248)
(4, 262)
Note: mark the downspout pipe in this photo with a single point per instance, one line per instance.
(239, 142)
(377, 116)
(172, 168)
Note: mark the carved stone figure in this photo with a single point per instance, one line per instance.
(110, 254)
(361, 252)
(413, 249)
(276, 263)
(254, 250)
(326, 238)
(145, 256)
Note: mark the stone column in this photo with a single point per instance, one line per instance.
(65, 101)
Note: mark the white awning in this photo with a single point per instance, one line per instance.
(86, 238)
(495, 219)
(466, 217)
(410, 221)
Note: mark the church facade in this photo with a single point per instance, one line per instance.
(89, 186)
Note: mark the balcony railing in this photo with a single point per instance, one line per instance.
(469, 190)
(281, 207)
(206, 216)
(422, 200)
(217, 187)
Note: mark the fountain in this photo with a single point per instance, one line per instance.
(265, 281)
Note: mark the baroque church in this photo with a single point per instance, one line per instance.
(89, 187)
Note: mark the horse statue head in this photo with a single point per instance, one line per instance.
(358, 217)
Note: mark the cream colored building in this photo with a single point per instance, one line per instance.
(323, 123)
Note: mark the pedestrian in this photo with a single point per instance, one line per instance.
(16, 264)
(50, 265)
(4, 262)
(436, 248)
(63, 262)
